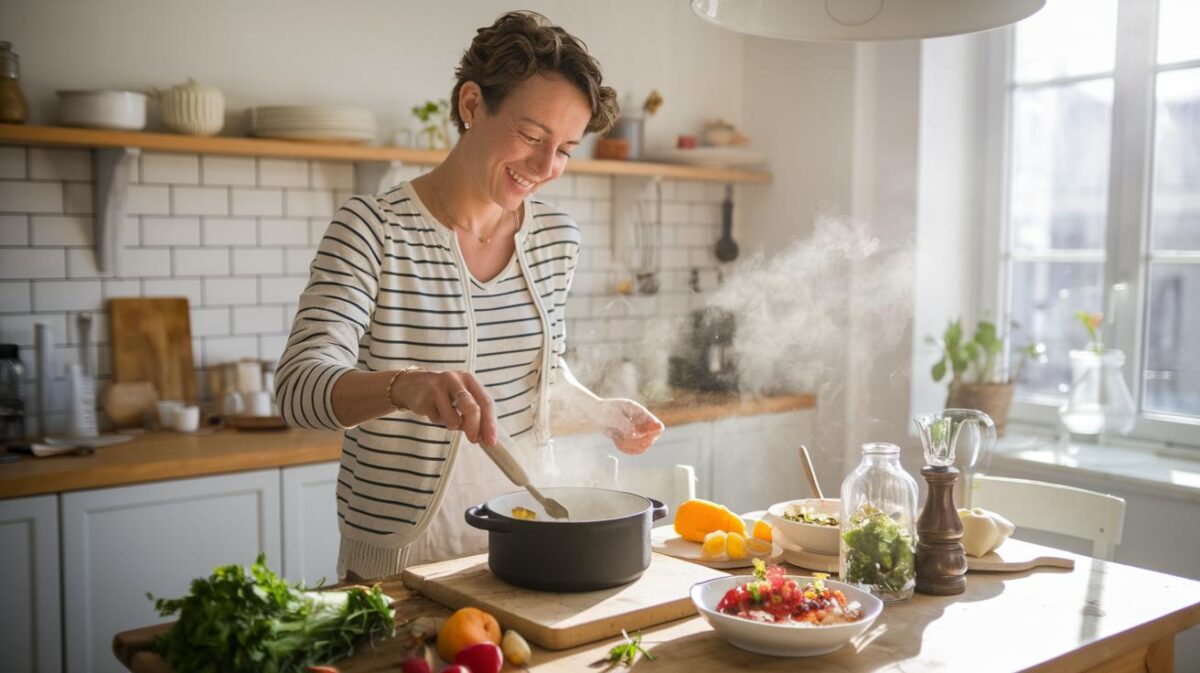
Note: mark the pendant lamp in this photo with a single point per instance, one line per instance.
(852, 20)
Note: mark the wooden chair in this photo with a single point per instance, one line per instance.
(671, 485)
(1054, 508)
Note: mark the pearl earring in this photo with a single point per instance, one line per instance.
(467, 125)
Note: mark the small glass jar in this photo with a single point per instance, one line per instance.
(13, 108)
(1099, 402)
(879, 525)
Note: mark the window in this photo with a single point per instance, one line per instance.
(1101, 201)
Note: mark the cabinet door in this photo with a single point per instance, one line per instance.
(756, 459)
(120, 543)
(310, 523)
(30, 617)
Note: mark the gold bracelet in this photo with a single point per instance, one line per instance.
(391, 400)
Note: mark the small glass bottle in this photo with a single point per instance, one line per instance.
(878, 527)
(12, 398)
(13, 108)
(1099, 402)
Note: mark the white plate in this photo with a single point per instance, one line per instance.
(781, 640)
(809, 560)
(665, 540)
(718, 157)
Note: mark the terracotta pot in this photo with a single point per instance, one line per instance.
(993, 399)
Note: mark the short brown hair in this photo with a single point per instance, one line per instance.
(520, 45)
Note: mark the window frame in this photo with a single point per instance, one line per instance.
(1128, 253)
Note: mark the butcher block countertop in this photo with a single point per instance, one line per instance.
(166, 455)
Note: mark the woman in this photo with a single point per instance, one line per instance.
(433, 316)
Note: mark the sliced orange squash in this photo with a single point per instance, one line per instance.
(697, 518)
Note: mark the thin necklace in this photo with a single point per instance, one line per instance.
(437, 197)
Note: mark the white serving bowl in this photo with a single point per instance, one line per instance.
(102, 109)
(781, 640)
(809, 536)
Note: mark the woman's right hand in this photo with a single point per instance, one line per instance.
(455, 400)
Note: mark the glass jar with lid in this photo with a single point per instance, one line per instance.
(878, 526)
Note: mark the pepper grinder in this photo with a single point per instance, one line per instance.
(941, 559)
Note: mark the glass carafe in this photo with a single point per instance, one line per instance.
(1099, 402)
(878, 526)
(945, 444)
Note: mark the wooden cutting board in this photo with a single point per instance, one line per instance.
(558, 621)
(152, 341)
(1014, 556)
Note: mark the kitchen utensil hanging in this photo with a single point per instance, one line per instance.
(727, 248)
(648, 238)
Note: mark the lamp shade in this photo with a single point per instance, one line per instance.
(851, 20)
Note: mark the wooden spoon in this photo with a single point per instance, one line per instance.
(806, 460)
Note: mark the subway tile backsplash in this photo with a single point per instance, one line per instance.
(235, 235)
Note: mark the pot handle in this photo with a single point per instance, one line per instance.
(659, 510)
(479, 516)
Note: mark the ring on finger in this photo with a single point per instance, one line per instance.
(454, 397)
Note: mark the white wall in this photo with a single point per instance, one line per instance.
(842, 121)
(950, 206)
(384, 54)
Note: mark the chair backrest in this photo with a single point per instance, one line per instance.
(672, 485)
(1054, 508)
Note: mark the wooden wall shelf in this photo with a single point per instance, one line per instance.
(265, 147)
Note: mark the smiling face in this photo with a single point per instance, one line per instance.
(526, 141)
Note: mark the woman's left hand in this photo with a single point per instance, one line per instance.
(630, 425)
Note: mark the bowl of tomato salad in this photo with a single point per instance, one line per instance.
(784, 615)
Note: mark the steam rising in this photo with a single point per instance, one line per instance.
(842, 294)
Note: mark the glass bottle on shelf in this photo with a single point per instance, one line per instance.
(13, 108)
(878, 525)
(1099, 402)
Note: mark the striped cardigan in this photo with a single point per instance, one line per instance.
(388, 289)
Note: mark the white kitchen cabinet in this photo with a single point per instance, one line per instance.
(30, 617)
(310, 523)
(120, 543)
(756, 459)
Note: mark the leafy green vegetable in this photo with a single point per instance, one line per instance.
(249, 619)
(626, 653)
(879, 554)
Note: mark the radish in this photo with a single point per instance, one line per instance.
(480, 658)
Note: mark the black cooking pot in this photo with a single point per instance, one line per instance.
(605, 543)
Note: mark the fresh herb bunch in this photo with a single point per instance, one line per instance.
(250, 619)
(879, 554)
(626, 653)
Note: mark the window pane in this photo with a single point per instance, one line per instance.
(1067, 38)
(1176, 205)
(1172, 349)
(1045, 297)
(1060, 145)
(1177, 25)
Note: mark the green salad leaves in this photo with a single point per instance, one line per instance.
(879, 554)
(250, 619)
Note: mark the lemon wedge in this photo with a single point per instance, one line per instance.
(713, 547)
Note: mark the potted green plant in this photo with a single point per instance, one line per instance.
(976, 380)
(435, 120)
